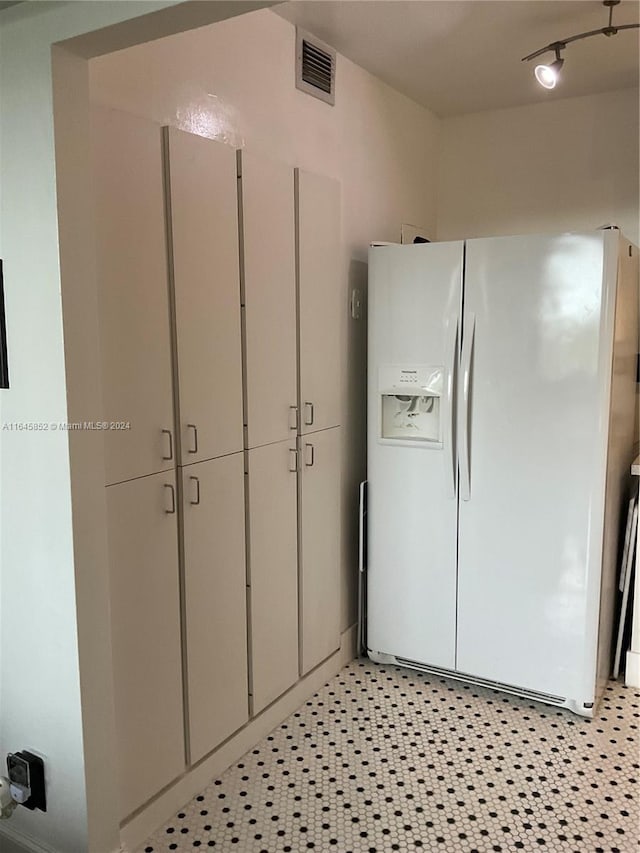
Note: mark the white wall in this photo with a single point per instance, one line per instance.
(51, 681)
(566, 165)
(234, 82)
(40, 704)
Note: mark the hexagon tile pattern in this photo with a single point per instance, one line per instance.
(384, 759)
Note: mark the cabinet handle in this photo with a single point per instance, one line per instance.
(173, 499)
(308, 418)
(293, 417)
(168, 433)
(308, 463)
(196, 480)
(293, 455)
(193, 449)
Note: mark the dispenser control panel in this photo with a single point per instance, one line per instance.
(410, 404)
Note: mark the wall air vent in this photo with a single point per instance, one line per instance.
(315, 67)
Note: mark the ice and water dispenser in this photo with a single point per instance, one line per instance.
(410, 404)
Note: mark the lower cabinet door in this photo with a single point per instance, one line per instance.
(319, 546)
(145, 614)
(273, 571)
(215, 601)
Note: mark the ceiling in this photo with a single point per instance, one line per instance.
(461, 56)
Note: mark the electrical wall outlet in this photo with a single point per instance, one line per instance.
(26, 780)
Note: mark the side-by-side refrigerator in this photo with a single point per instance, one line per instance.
(501, 399)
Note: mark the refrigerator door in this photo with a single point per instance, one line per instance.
(414, 308)
(531, 425)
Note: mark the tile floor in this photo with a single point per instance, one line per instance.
(384, 759)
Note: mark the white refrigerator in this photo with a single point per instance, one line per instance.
(501, 398)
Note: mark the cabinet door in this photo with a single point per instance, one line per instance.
(319, 546)
(268, 229)
(131, 257)
(204, 226)
(145, 618)
(215, 600)
(319, 300)
(273, 575)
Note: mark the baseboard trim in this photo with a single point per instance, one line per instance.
(632, 671)
(138, 828)
(13, 841)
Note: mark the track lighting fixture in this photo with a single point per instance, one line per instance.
(547, 75)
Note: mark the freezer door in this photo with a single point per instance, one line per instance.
(531, 459)
(414, 308)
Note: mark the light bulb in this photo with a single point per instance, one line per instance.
(547, 75)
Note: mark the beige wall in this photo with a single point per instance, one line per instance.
(234, 82)
(568, 164)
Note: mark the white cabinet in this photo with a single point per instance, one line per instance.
(319, 544)
(248, 368)
(131, 262)
(202, 195)
(320, 300)
(269, 295)
(215, 600)
(273, 570)
(292, 336)
(287, 214)
(145, 618)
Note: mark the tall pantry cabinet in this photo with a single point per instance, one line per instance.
(140, 475)
(202, 219)
(220, 310)
(266, 195)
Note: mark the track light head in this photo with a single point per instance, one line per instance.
(547, 75)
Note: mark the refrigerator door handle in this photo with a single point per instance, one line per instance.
(449, 425)
(465, 366)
